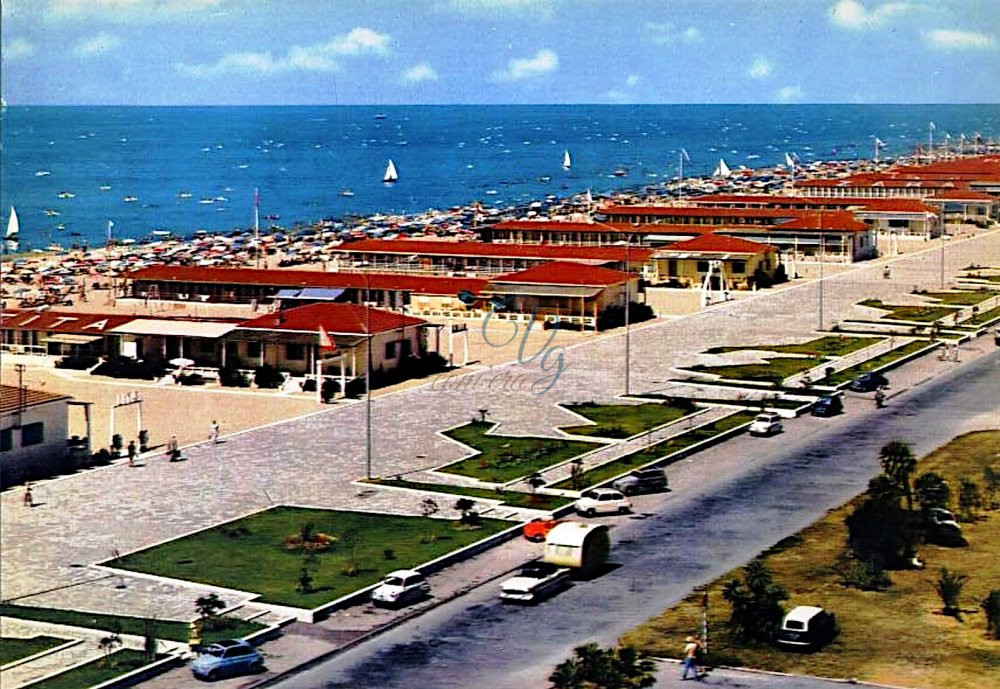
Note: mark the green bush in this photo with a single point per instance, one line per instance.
(78, 363)
(232, 377)
(268, 377)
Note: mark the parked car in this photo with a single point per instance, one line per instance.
(941, 527)
(642, 481)
(534, 581)
(226, 658)
(807, 628)
(831, 405)
(537, 529)
(602, 501)
(402, 587)
(867, 382)
(766, 424)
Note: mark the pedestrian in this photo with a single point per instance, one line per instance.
(173, 449)
(131, 453)
(29, 499)
(690, 662)
(213, 434)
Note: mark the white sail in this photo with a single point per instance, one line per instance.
(566, 160)
(789, 160)
(722, 170)
(12, 225)
(390, 173)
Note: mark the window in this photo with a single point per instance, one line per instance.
(896, 222)
(739, 266)
(407, 347)
(6, 440)
(206, 346)
(253, 349)
(702, 266)
(390, 350)
(672, 267)
(32, 434)
(295, 352)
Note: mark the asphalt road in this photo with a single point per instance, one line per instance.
(727, 505)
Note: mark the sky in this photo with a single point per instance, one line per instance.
(384, 52)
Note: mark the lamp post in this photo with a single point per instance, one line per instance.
(628, 301)
(368, 373)
(942, 259)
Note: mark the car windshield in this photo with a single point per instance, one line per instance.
(793, 624)
(393, 581)
(214, 651)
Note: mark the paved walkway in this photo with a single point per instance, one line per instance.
(85, 518)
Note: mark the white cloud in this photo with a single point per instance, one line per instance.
(632, 80)
(949, 39)
(543, 62)
(97, 45)
(760, 68)
(128, 11)
(789, 94)
(321, 57)
(18, 49)
(666, 33)
(541, 8)
(418, 73)
(851, 14)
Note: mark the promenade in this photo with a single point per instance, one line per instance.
(314, 460)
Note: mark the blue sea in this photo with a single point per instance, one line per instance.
(68, 170)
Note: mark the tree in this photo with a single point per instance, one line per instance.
(931, 490)
(592, 667)
(756, 604)
(969, 500)
(465, 505)
(535, 481)
(575, 473)
(898, 464)
(949, 587)
(991, 607)
(149, 643)
(991, 483)
(208, 606)
(429, 507)
(109, 643)
(879, 531)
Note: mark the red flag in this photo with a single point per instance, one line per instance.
(325, 341)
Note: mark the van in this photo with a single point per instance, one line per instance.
(807, 628)
(652, 480)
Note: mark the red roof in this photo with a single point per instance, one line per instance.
(337, 319)
(830, 220)
(698, 212)
(494, 250)
(564, 273)
(888, 205)
(10, 398)
(535, 225)
(962, 195)
(717, 243)
(416, 284)
(64, 321)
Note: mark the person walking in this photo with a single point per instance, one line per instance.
(690, 661)
(131, 453)
(29, 499)
(173, 449)
(213, 434)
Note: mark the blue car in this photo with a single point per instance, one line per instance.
(225, 658)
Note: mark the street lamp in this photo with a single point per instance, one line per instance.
(628, 300)
(368, 373)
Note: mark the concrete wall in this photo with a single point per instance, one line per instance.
(35, 461)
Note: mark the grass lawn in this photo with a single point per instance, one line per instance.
(654, 452)
(14, 648)
(960, 298)
(250, 553)
(827, 346)
(625, 420)
(95, 672)
(504, 458)
(751, 404)
(898, 636)
(512, 498)
(919, 314)
(882, 360)
(775, 370)
(171, 630)
(984, 317)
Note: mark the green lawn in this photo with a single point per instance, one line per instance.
(625, 420)
(654, 452)
(95, 672)
(504, 458)
(872, 364)
(775, 370)
(967, 298)
(512, 498)
(14, 648)
(827, 346)
(983, 317)
(250, 554)
(919, 314)
(750, 404)
(171, 630)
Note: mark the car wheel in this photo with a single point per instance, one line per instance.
(257, 666)
(590, 512)
(212, 675)
(623, 509)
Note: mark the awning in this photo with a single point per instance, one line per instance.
(71, 339)
(527, 290)
(162, 327)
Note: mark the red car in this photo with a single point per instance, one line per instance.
(537, 529)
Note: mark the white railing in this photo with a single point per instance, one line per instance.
(37, 350)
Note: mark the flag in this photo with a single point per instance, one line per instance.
(325, 342)
(684, 153)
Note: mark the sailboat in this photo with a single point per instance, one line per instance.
(722, 170)
(13, 228)
(566, 160)
(390, 173)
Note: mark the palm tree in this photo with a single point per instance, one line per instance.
(898, 464)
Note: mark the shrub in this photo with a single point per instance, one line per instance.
(949, 587)
(969, 500)
(862, 575)
(756, 604)
(614, 316)
(330, 388)
(191, 379)
(268, 377)
(232, 377)
(355, 387)
(78, 363)
(208, 606)
(932, 490)
(991, 607)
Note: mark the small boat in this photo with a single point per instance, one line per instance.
(221, 198)
(184, 195)
(272, 216)
(130, 199)
(105, 187)
(51, 212)
(391, 175)
(207, 201)
(722, 170)
(346, 192)
(42, 173)
(620, 172)
(380, 116)
(61, 227)
(66, 195)
(13, 228)
(491, 192)
(243, 166)
(567, 163)
(544, 178)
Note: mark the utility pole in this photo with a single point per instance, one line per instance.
(628, 300)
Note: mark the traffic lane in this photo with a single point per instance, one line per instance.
(663, 554)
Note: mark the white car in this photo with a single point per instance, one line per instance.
(602, 501)
(534, 581)
(766, 424)
(401, 587)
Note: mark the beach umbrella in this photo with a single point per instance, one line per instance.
(181, 362)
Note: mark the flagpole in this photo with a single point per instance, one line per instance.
(256, 227)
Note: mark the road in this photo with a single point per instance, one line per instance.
(727, 504)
